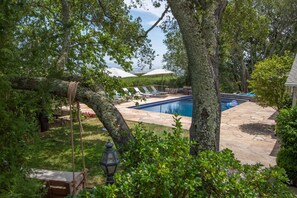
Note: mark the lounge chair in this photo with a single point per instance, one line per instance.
(154, 94)
(155, 91)
(118, 97)
(129, 95)
(141, 93)
(146, 91)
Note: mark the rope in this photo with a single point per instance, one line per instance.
(72, 87)
(81, 130)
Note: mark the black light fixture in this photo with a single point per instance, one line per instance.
(109, 162)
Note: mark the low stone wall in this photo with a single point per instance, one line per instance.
(237, 96)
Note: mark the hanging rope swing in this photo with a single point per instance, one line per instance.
(72, 88)
(60, 183)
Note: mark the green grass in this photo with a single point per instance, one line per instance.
(167, 80)
(52, 150)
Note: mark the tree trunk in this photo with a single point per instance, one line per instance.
(98, 101)
(63, 56)
(244, 71)
(43, 121)
(199, 25)
(43, 117)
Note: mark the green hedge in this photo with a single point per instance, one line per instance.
(286, 130)
(168, 81)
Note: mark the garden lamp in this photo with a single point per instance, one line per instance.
(109, 162)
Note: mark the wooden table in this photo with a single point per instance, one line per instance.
(59, 183)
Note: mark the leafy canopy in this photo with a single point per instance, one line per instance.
(268, 81)
(34, 35)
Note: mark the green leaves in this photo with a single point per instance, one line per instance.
(163, 167)
(286, 130)
(268, 81)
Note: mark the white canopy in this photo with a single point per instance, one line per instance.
(115, 72)
(158, 72)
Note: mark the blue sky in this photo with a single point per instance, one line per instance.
(149, 16)
(156, 35)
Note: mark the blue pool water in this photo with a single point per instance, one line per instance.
(181, 106)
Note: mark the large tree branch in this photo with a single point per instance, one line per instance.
(156, 23)
(98, 101)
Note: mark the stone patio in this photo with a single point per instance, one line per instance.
(245, 129)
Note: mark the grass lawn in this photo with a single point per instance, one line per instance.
(52, 150)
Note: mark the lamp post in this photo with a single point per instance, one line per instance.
(109, 162)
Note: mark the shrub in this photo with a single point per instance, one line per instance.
(286, 158)
(286, 130)
(170, 81)
(163, 167)
(17, 131)
(268, 81)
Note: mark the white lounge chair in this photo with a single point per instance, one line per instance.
(146, 91)
(141, 93)
(155, 91)
(118, 97)
(129, 95)
(154, 94)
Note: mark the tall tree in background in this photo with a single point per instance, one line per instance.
(244, 33)
(282, 18)
(251, 31)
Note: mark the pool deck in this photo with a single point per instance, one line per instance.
(245, 129)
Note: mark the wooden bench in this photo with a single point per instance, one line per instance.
(59, 183)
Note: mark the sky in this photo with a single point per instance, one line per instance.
(149, 16)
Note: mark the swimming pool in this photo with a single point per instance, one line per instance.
(182, 106)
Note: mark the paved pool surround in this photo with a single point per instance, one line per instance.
(245, 129)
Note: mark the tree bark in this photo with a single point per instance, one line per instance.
(98, 101)
(199, 25)
(244, 72)
(63, 56)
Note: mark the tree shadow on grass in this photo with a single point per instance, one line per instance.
(258, 129)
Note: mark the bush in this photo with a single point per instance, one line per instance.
(170, 81)
(163, 167)
(268, 81)
(286, 158)
(286, 130)
(17, 131)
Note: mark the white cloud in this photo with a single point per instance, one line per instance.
(151, 23)
(147, 6)
(156, 35)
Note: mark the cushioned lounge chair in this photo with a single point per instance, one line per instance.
(141, 93)
(129, 95)
(154, 94)
(155, 91)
